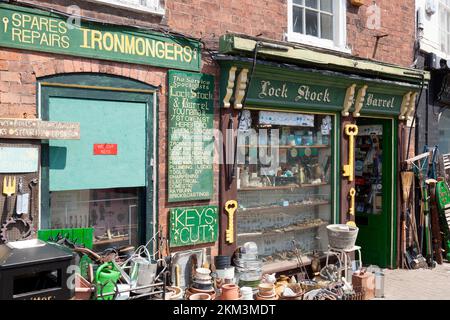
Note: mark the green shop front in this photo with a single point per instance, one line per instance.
(317, 141)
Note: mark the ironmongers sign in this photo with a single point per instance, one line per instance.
(193, 225)
(38, 30)
(37, 129)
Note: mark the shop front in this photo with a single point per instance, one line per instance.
(314, 146)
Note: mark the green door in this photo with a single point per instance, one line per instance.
(102, 180)
(374, 182)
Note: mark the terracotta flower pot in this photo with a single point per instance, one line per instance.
(200, 296)
(230, 292)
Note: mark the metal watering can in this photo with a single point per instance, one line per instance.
(143, 272)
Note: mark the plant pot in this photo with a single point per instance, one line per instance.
(230, 292)
(200, 296)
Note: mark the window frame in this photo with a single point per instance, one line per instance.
(159, 10)
(339, 42)
(442, 29)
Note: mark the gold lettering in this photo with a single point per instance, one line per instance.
(140, 46)
(160, 49)
(44, 40)
(118, 43)
(85, 38)
(178, 52)
(42, 23)
(26, 36)
(129, 45)
(96, 39)
(108, 41)
(62, 27)
(150, 47)
(16, 22)
(16, 33)
(169, 51)
(187, 54)
(65, 42)
(53, 26)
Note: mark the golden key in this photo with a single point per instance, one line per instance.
(352, 194)
(349, 169)
(230, 208)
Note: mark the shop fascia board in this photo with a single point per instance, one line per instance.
(234, 44)
(283, 72)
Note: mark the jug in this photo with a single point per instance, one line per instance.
(106, 279)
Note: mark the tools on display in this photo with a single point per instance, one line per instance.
(9, 188)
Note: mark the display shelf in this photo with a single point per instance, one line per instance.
(270, 209)
(108, 241)
(281, 230)
(288, 187)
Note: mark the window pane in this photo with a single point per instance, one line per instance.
(326, 26)
(311, 3)
(443, 42)
(300, 2)
(113, 213)
(297, 18)
(312, 23)
(326, 5)
(447, 49)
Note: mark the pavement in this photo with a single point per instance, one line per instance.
(421, 284)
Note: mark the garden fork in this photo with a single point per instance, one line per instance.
(9, 188)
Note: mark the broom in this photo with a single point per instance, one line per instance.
(407, 181)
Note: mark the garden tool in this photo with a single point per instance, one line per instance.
(9, 188)
(23, 200)
(407, 180)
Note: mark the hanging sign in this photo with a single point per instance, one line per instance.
(194, 225)
(38, 30)
(38, 129)
(191, 140)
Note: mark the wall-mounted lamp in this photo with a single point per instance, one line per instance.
(430, 7)
(357, 3)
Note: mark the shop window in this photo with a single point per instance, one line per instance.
(113, 213)
(317, 22)
(285, 182)
(444, 25)
(151, 6)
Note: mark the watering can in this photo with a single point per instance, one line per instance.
(143, 273)
(106, 279)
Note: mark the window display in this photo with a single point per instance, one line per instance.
(284, 180)
(113, 213)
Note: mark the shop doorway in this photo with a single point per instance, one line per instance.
(375, 187)
(105, 180)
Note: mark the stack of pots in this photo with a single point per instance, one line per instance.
(266, 291)
(202, 283)
(248, 266)
(224, 270)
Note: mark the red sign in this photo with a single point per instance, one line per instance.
(105, 149)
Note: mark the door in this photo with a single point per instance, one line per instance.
(101, 180)
(374, 159)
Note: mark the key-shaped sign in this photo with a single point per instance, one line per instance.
(230, 208)
(352, 195)
(349, 169)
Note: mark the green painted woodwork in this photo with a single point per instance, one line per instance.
(73, 165)
(377, 232)
(193, 225)
(235, 44)
(382, 103)
(31, 29)
(190, 136)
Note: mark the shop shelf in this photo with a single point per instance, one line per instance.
(113, 240)
(280, 266)
(288, 187)
(281, 230)
(283, 209)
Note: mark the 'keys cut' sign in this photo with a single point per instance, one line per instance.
(105, 149)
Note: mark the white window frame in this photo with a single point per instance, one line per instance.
(339, 29)
(442, 27)
(158, 9)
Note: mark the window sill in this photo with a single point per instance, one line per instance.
(135, 8)
(316, 42)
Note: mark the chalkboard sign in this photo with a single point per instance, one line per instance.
(194, 225)
(190, 143)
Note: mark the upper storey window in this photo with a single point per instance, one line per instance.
(150, 6)
(444, 25)
(317, 22)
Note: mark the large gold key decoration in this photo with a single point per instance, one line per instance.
(230, 208)
(349, 169)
